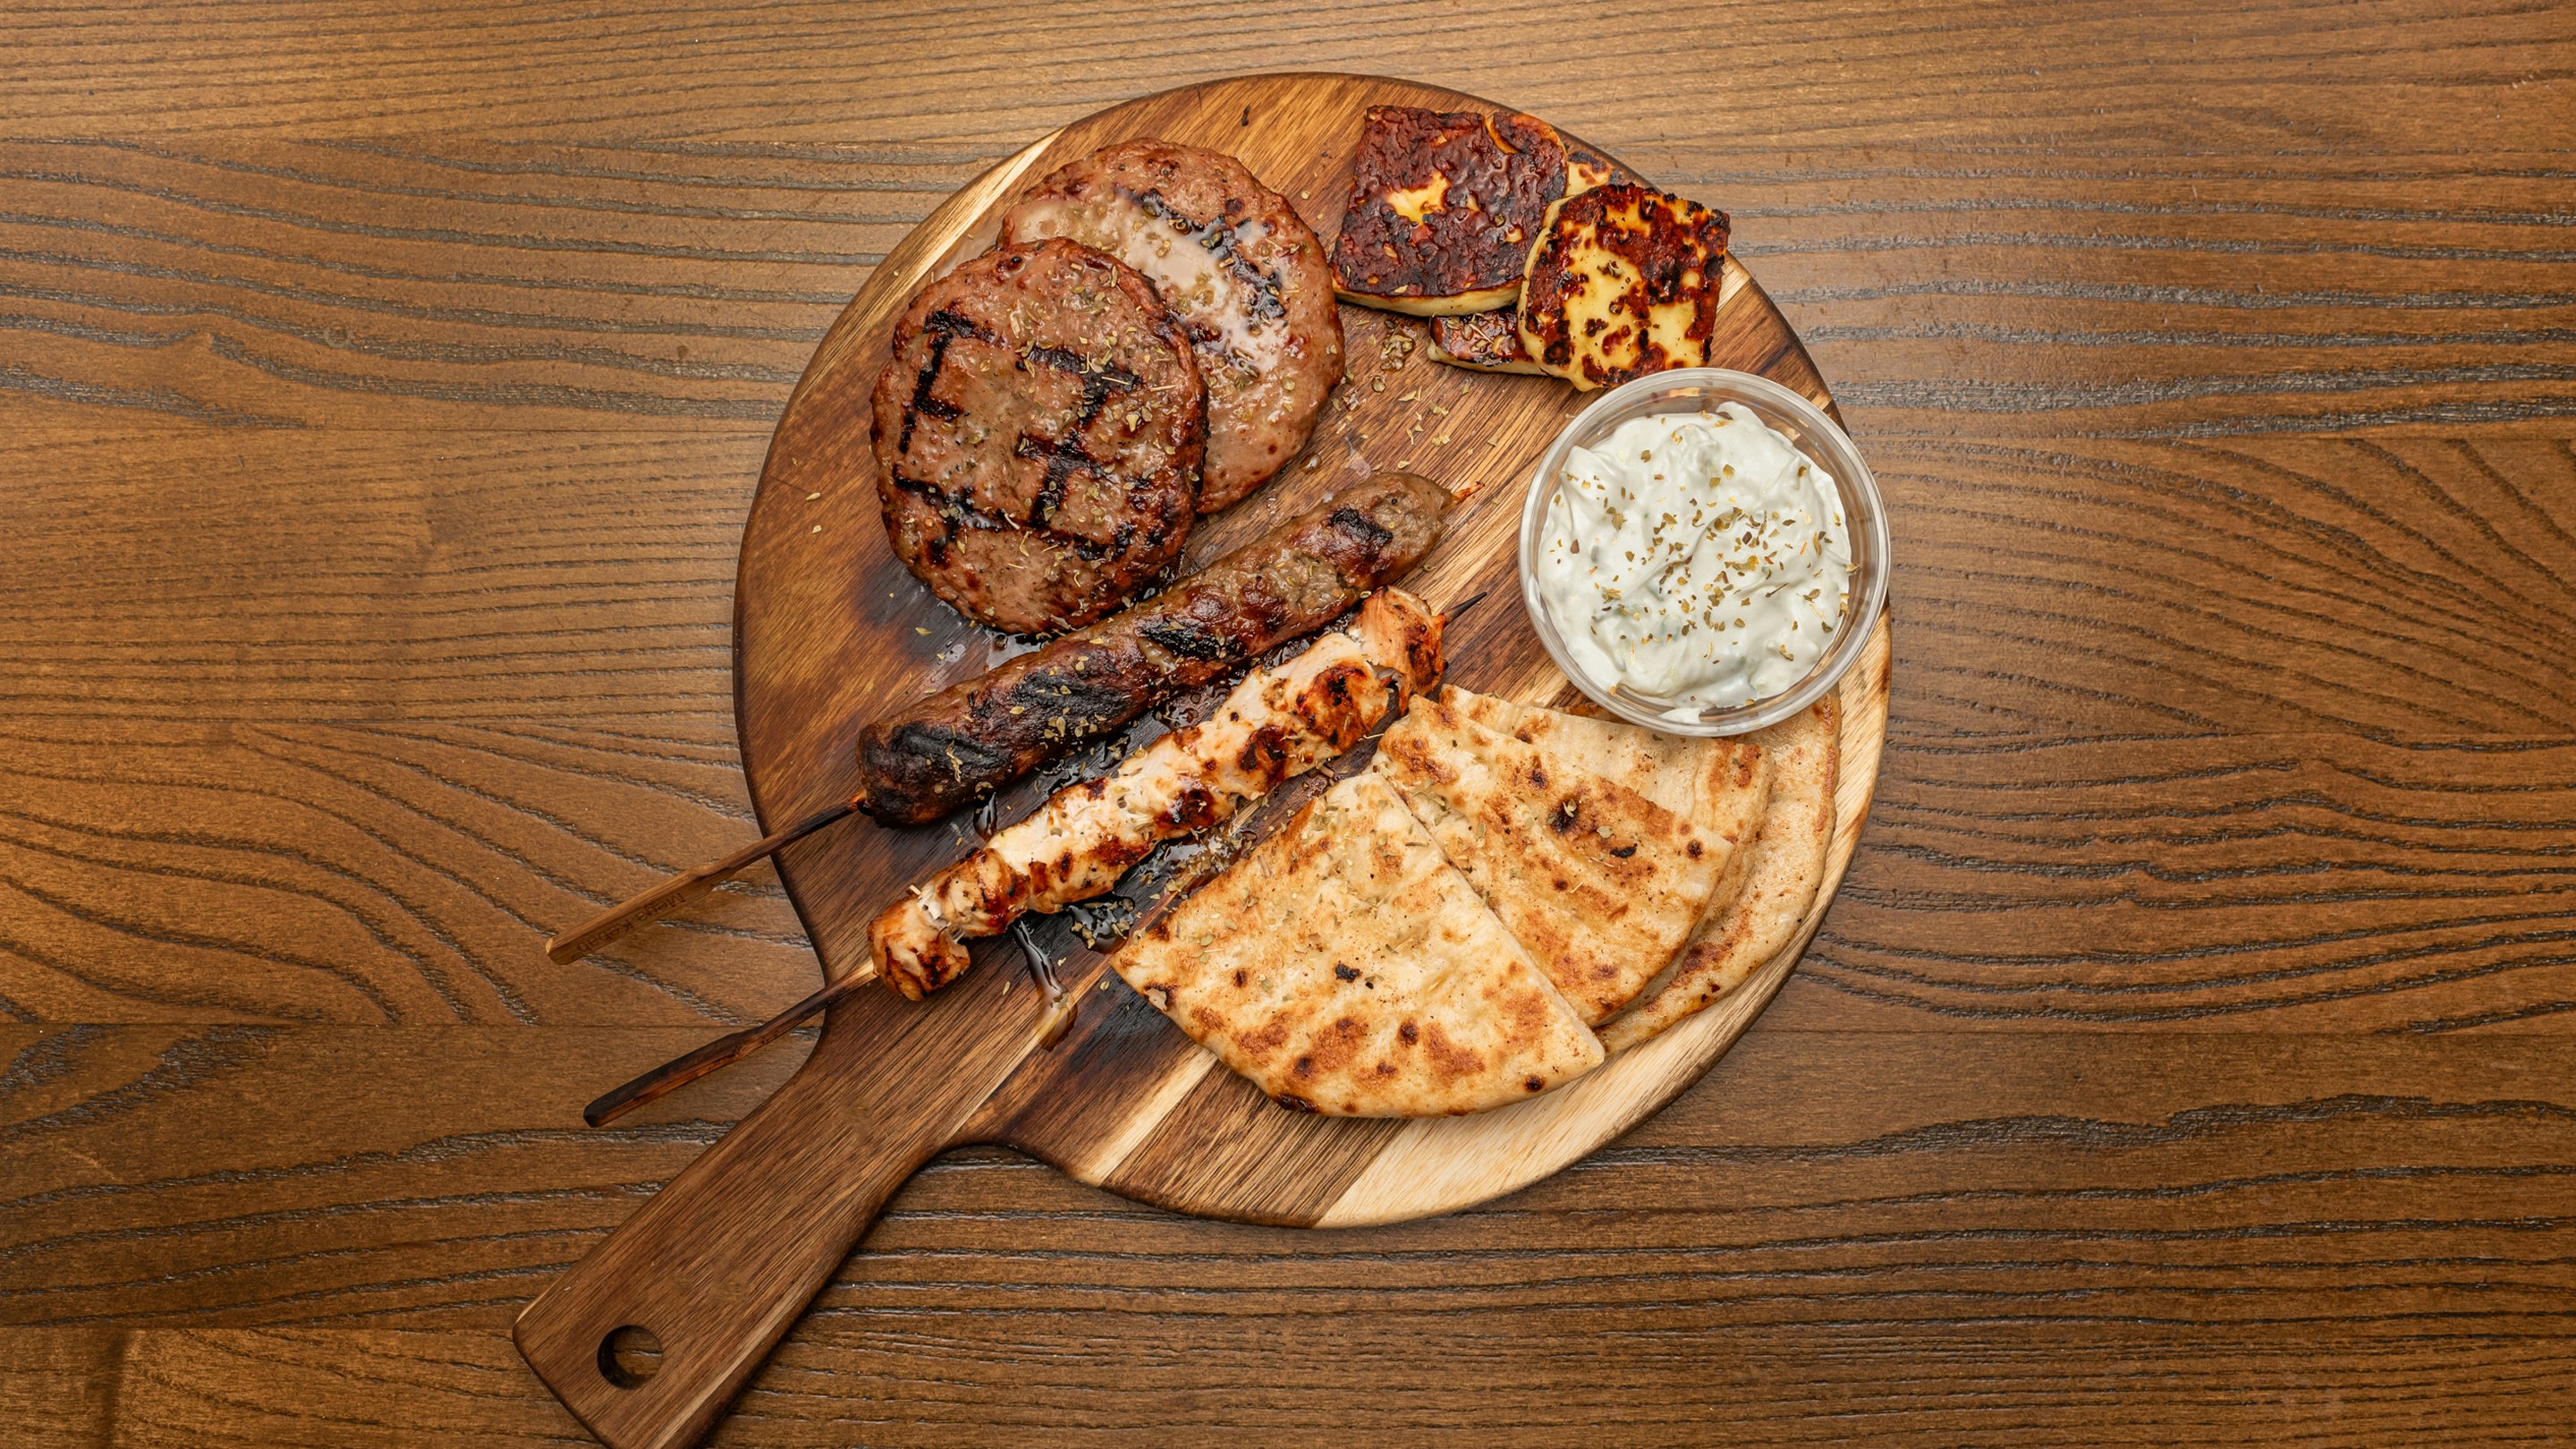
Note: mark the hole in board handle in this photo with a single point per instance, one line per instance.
(629, 1355)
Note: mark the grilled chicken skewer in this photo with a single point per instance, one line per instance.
(1277, 723)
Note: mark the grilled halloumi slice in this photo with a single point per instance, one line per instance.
(1443, 206)
(1623, 280)
(1491, 341)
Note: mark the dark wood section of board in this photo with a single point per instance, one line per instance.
(2186, 1058)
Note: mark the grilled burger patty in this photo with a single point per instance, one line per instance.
(1038, 435)
(1240, 269)
(974, 737)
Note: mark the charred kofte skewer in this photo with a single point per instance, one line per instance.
(958, 745)
(964, 742)
(1279, 722)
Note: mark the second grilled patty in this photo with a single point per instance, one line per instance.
(1240, 269)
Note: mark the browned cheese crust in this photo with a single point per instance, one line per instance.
(1443, 207)
(1623, 280)
(1038, 436)
(1485, 341)
(1240, 269)
(1491, 341)
(974, 737)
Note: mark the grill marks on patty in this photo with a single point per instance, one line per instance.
(944, 327)
(1064, 456)
(1039, 431)
(1061, 456)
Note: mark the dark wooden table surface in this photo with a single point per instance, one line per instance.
(2188, 1057)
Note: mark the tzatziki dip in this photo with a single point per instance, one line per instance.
(1697, 559)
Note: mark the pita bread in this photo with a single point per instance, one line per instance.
(1344, 967)
(1599, 883)
(1786, 868)
(1719, 785)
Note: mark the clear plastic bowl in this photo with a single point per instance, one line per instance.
(1689, 390)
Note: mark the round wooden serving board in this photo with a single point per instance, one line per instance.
(831, 631)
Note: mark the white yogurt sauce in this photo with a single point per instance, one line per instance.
(1698, 559)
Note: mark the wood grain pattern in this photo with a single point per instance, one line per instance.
(327, 1389)
(1970, 1206)
(386, 387)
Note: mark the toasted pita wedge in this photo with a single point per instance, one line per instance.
(1599, 883)
(1788, 865)
(1719, 785)
(1344, 967)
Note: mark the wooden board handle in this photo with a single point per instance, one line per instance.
(719, 1265)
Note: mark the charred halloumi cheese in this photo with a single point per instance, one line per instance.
(1443, 207)
(1485, 341)
(1623, 280)
(1584, 170)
